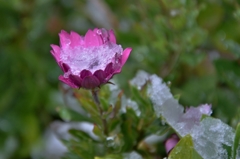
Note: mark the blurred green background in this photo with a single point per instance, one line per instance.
(195, 45)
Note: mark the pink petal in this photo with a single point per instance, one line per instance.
(85, 73)
(91, 39)
(76, 39)
(56, 49)
(109, 69)
(56, 52)
(64, 39)
(171, 143)
(67, 81)
(76, 80)
(98, 33)
(125, 55)
(64, 67)
(90, 82)
(100, 74)
(117, 71)
(112, 37)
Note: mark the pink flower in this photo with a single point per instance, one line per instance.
(171, 142)
(91, 60)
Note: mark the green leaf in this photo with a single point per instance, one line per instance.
(210, 16)
(177, 96)
(184, 149)
(80, 135)
(117, 106)
(64, 114)
(141, 98)
(112, 156)
(113, 123)
(129, 129)
(98, 132)
(104, 104)
(236, 142)
(108, 112)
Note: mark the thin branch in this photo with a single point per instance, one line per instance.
(98, 104)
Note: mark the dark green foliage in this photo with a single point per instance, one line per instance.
(193, 44)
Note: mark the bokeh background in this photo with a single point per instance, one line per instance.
(193, 45)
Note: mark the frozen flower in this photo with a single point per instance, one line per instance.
(171, 142)
(91, 60)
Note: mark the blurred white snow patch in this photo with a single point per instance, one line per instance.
(114, 88)
(52, 147)
(132, 155)
(9, 146)
(140, 79)
(100, 13)
(153, 139)
(67, 99)
(61, 128)
(159, 93)
(128, 103)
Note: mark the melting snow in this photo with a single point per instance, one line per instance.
(209, 135)
(140, 79)
(90, 58)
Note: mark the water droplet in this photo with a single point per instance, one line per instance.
(99, 32)
(110, 141)
(68, 42)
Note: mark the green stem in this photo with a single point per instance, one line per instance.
(98, 104)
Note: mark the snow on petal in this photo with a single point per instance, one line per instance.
(140, 79)
(210, 135)
(67, 81)
(96, 51)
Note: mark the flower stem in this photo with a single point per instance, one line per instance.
(97, 102)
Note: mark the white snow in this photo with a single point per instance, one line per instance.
(132, 155)
(140, 79)
(159, 93)
(90, 58)
(128, 103)
(209, 135)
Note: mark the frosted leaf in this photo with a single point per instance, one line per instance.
(158, 93)
(90, 58)
(132, 155)
(140, 79)
(131, 104)
(172, 111)
(125, 102)
(191, 118)
(210, 136)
